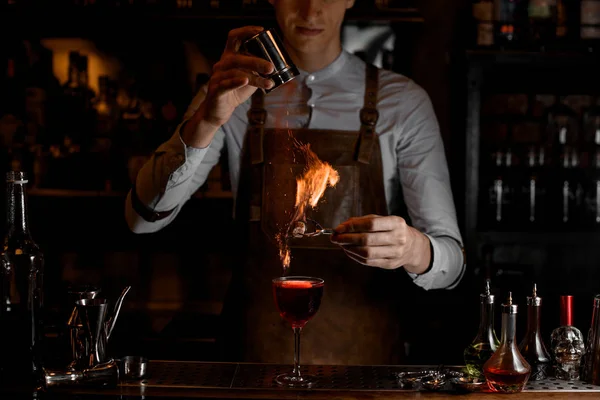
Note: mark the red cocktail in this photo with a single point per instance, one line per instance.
(298, 299)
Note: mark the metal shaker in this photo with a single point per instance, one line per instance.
(77, 338)
(268, 45)
(591, 362)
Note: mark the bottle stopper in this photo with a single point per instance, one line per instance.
(487, 297)
(534, 300)
(509, 307)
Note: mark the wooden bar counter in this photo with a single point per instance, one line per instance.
(185, 379)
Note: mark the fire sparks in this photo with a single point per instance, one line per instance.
(310, 187)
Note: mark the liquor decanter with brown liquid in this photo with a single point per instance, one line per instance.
(485, 343)
(532, 346)
(507, 371)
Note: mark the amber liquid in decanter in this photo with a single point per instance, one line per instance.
(507, 371)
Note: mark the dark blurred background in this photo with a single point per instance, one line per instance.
(89, 88)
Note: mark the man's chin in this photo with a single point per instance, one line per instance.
(308, 46)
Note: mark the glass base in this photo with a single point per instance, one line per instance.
(292, 381)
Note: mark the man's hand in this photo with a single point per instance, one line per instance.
(384, 242)
(235, 78)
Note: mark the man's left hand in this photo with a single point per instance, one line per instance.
(384, 242)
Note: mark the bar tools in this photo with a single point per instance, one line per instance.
(591, 363)
(469, 383)
(92, 323)
(133, 367)
(97, 325)
(106, 374)
(268, 45)
(77, 338)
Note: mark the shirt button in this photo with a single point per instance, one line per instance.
(311, 105)
(311, 78)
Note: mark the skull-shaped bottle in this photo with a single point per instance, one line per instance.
(567, 343)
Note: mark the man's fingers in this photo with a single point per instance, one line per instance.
(231, 84)
(252, 79)
(370, 223)
(379, 263)
(374, 252)
(364, 239)
(251, 63)
(238, 35)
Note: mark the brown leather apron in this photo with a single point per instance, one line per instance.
(358, 322)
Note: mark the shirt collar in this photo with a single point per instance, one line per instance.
(327, 71)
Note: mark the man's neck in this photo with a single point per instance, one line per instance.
(310, 62)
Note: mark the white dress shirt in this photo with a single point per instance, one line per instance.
(414, 162)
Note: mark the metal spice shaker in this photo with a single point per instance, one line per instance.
(268, 45)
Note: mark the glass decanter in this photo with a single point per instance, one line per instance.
(532, 346)
(507, 371)
(567, 343)
(486, 342)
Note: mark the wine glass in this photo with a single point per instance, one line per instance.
(298, 299)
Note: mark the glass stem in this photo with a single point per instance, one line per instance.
(296, 371)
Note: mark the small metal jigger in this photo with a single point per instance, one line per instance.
(267, 45)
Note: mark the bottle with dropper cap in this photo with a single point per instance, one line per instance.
(507, 371)
(532, 346)
(486, 342)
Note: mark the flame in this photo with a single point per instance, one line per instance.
(310, 187)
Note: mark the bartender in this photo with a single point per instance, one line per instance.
(396, 235)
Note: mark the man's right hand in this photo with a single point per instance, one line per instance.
(233, 81)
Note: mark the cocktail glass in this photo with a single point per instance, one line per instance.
(298, 299)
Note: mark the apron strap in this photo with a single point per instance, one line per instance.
(257, 116)
(368, 115)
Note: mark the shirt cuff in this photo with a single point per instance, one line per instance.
(180, 160)
(426, 280)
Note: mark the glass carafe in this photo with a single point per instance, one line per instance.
(486, 342)
(507, 371)
(532, 347)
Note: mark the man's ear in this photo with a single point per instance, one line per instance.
(349, 3)
(271, 1)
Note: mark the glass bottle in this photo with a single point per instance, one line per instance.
(486, 342)
(21, 290)
(567, 343)
(533, 202)
(543, 16)
(590, 20)
(532, 347)
(509, 16)
(591, 127)
(567, 196)
(507, 371)
(483, 14)
(501, 190)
